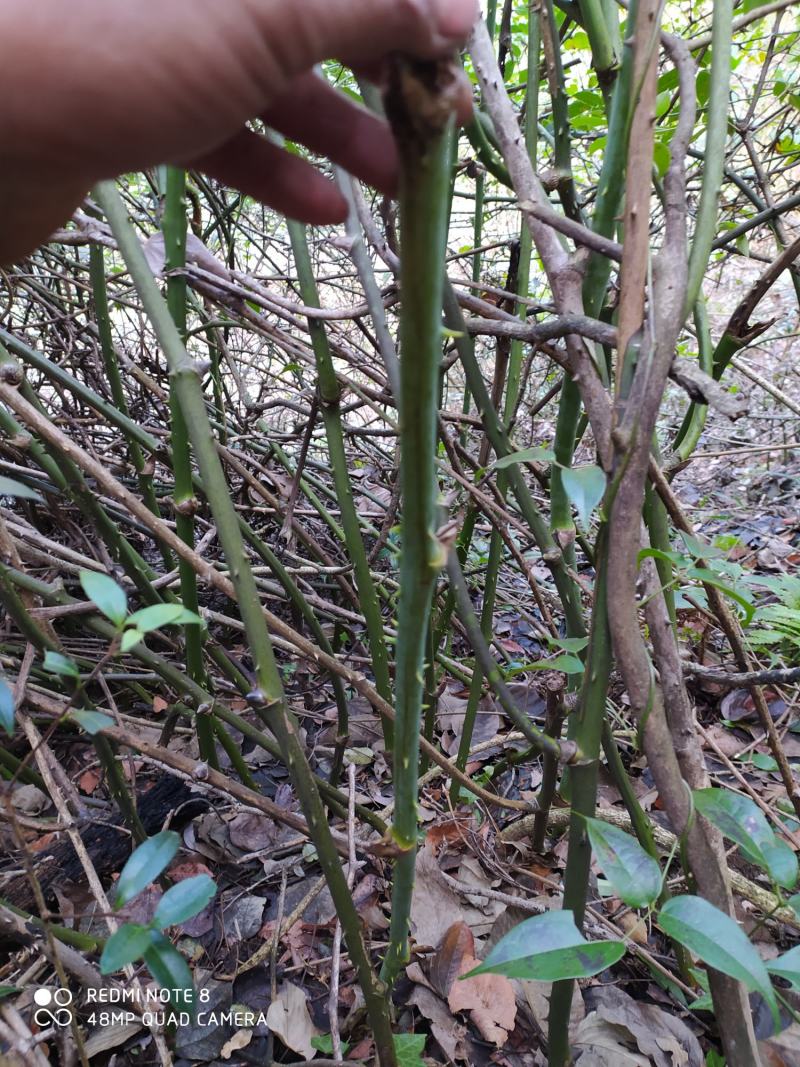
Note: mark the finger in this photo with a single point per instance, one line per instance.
(378, 74)
(276, 178)
(361, 31)
(326, 121)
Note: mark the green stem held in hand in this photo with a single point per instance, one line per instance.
(174, 227)
(419, 105)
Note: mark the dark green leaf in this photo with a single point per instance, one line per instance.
(55, 663)
(11, 487)
(585, 487)
(635, 876)
(146, 864)
(527, 455)
(128, 944)
(7, 709)
(108, 597)
(8, 991)
(718, 941)
(184, 900)
(740, 819)
(169, 968)
(92, 721)
(548, 948)
(787, 966)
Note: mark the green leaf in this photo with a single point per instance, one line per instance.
(7, 709)
(569, 644)
(168, 967)
(634, 875)
(108, 597)
(703, 80)
(184, 900)
(146, 864)
(92, 721)
(548, 948)
(130, 639)
(158, 615)
(704, 1002)
(739, 818)
(324, 1043)
(8, 991)
(661, 158)
(787, 966)
(585, 487)
(794, 903)
(718, 941)
(11, 487)
(761, 761)
(409, 1049)
(657, 553)
(702, 574)
(566, 663)
(129, 943)
(527, 455)
(55, 663)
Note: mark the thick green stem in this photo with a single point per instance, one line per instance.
(583, 788)
(612, 176)
(424, 195)
(174, 227)
(705, 229)
(602, 28)
(694, 422)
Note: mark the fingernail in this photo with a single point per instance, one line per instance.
(455, 18)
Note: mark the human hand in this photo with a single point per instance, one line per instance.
(95, 88)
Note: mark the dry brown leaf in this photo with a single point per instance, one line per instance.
(451, 832)
(89, 781)
(662, 1038)
(783, 1050)
(288, 1017)
(446, 1031)
(241, 1039)
(445, 967)
(252, 831)
(633, 926)
(600, 1044)
(489, 999)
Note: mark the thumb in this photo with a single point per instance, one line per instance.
(360, 32)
